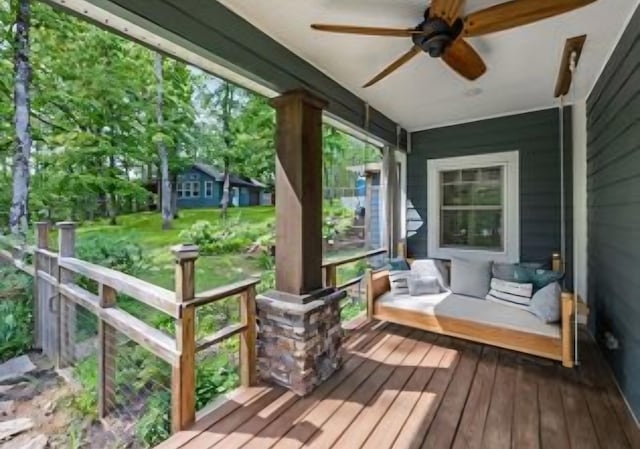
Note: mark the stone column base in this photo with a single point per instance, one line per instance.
(299, 338)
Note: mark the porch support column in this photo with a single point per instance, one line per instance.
(298, 192)
(300, 334)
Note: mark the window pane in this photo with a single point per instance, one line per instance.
(470, 175)
(489, 194)
(472, 229)
(450, 176)
(457, 195)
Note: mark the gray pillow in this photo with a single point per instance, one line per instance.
(470, 277)
(399, 281)
(545, 303)
(423, 285)
(433, 268)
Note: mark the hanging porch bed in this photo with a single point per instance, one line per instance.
(475, 319)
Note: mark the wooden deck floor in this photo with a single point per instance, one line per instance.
(403, 388)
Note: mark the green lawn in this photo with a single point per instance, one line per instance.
(211, 271)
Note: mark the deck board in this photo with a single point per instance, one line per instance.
(404, 388)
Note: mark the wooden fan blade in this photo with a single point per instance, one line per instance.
(395, 65)
(462, 58)
(367, 31)
(448, 10)
(517, 13)
(565, 76)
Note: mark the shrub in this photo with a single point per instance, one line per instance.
(118, 253)
(229, 236)
(16, 326)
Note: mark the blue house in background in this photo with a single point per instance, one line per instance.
(201, 185)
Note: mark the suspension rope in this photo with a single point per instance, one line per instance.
(572, 68)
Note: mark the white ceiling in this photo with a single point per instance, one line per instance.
(522, 64)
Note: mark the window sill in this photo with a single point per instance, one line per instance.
(473, 254)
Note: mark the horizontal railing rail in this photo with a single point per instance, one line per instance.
(330, 267)
(145, 292)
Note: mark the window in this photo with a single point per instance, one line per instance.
(473, 207)
(208, 189)
(189, 189)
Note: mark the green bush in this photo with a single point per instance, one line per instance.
(118, 253)
(16, 309)
(228, 236)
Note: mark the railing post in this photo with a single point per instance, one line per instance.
(39, 289)
(183, 409)
(330, 276)
(107, 352)
(66, 310)
(248, 369)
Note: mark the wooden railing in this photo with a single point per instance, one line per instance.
(56, 287)
(330, 268)
(55, 275)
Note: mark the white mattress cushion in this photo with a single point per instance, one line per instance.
(468, 308)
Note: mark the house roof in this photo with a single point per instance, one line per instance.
(522, 63)
(234, 180)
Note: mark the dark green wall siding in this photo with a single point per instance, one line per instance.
(536, 136)
(613, 186)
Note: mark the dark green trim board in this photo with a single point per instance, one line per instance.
(536, 136)
(243, 48)
(613, 197)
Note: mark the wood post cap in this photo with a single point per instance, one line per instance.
(66, 224)
(185, 252)
(301, 95)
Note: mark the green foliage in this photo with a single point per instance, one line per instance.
(117, 253)
(85, 400)
(228, 236)
(352, 310)
(153, 427)
(16, 326)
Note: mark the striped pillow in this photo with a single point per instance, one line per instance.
(510, 293)
(399, 281)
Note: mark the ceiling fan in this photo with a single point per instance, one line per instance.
(441, 34)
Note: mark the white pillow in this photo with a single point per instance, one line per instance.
(423, 285)
(399, 282)
(510, 293)
(433, 268)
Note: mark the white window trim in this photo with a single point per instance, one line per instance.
(511, 162)
(208, 184)
(188, 186)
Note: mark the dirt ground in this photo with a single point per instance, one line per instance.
(38, 395)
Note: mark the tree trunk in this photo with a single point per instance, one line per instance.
(18, 214)
(174, 196)
(165, 182)
(224, 202)
(111, 198)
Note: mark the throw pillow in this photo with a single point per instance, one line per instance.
(545, 303)
(399, 281)
(470, 277)
(511, 272)
(423, 285)
(510, 293)
(398, 264)
(431, 267)
(542, 278)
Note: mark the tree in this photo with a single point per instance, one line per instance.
(165, 182)
(18, 214)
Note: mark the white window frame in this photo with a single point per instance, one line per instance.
(208, 185)
(510, 161)
(188, 186)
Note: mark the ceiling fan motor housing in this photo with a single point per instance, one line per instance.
(437, 35)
